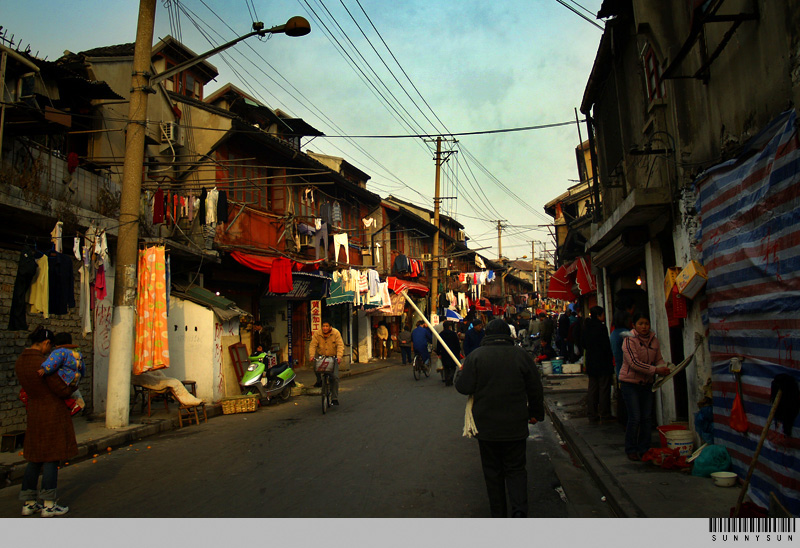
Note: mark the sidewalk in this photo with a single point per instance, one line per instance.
(632, 489)
(93, 437)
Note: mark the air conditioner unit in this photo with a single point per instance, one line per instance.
(462, 236)
(171, 133)
(427, 257)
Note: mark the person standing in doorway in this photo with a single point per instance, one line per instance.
(405, 345)
(507, 395)
(641, 362)
(383, 338)
(50, 435)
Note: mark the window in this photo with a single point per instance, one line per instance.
(653, 72)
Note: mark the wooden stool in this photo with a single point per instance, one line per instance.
(191, 386)
(139, 393)
(163, 392)
(185, 413)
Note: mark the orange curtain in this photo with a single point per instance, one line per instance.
(151, 350)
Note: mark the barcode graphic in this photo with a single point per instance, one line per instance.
(751, 525)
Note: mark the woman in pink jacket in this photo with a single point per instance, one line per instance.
(641, 362)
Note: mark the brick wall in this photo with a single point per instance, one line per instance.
(12, 411)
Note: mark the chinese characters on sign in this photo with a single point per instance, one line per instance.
(316, 316)
(434, 319)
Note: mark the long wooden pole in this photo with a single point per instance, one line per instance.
(404, 293)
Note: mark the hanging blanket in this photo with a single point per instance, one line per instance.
(151, 349)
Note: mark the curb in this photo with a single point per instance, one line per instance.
(617, 498)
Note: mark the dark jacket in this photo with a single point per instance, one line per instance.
(599, 358)
(472, 340)
(506, 387)
(451, 340)
(49, 436)
(547, 329)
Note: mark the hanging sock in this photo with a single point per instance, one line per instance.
(76, 247)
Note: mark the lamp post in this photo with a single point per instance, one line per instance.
(120, 359)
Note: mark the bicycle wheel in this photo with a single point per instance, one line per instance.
(416, 367)
(426, 368)
(324, 392)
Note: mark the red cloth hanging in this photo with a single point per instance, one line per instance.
(280, 279)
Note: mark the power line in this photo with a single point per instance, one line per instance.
(579, 14)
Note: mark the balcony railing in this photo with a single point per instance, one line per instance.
(42, 175)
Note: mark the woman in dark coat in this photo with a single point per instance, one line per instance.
(599, 365)
(50, 436)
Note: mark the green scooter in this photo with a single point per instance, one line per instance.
(267, 378)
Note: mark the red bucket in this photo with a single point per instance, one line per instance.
(669, 428)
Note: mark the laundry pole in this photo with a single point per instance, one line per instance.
(457, 361)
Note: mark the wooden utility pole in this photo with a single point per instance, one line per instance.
(499, 241)
(436, 201)
(534, 268)
(123, 321)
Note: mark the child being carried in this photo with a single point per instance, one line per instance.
(67, 362)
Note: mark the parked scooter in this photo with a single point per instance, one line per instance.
(267, 378)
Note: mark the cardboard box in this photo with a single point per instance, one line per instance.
(691, 280)
(669, 280)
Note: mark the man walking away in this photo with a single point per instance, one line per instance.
(507, 392)
(473, 337)
(451, 340)
(405, 345)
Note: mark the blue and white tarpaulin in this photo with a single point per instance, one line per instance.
(750, 237)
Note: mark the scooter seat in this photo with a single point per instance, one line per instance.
(273, 372)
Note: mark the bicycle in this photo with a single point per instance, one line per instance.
(325, 367)
(326, 392)
(419, 367)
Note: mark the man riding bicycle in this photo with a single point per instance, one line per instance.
(421, 337)
(328, 343)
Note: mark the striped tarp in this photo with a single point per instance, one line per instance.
(750, 236)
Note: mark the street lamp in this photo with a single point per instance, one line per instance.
(295, 26)
(124, 316)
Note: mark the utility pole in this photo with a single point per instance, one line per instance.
(534, 268)
(436, 201)
(123, 320)
(499, 241)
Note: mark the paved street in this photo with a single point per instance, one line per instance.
(392, 449)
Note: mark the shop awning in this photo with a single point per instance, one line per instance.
(587, 282)
(560, 287)
(397, 285)
(305, 285)
(339, 295)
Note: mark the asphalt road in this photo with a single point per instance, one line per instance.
(393, 449)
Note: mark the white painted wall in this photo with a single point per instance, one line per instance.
(193, 346)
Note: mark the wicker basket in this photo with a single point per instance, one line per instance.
(239, 404)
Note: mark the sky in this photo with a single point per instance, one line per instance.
(462, 66)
